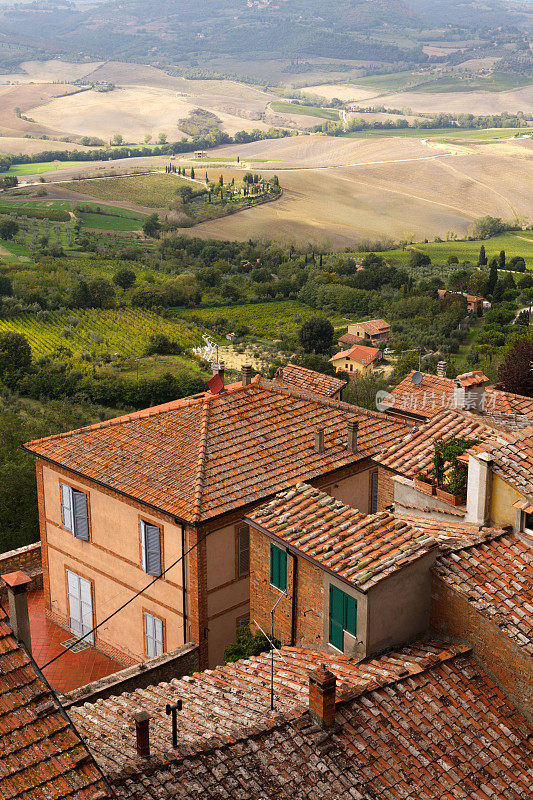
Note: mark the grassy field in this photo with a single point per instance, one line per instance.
(520, 244)
(264, 320)
(123, 331)
(156, 190)
(106, 222)
(39, 167)
(283, 107)
(19, 206)
(476, 136)
(393, 82)
(495, 82)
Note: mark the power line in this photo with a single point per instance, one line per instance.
(123, 606)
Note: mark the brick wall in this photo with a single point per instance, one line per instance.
(28, 559)
(309, 598)
(452, 615)
(180, 662)
(385, 488)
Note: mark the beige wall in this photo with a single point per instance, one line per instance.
(399, 606)
(111, 560)
(353, 491)
(501, 502)
(228, 596)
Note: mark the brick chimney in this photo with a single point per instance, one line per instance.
(17, 586)
(319, 440)
(142, 732)
(469, 393)
(218, 368)
(353, 428)
(246, 374)
(322, 691)
(442, 367)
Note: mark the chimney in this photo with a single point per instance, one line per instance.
(218, 368)
(469, 393)
(142, 732)
(319, 440)
(17, 586)
(442, 366)
(353, 427)
(322, 691)
(478, 489)
(246, 374)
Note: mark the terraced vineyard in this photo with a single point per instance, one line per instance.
(123, 331)
(265, 320)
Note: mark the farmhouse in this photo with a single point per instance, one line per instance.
(474, 304)
(156, 498)
(376, 330)
(358, 359)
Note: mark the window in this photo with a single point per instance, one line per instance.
(80, 606)
(278, 567)
(75, 511)
(153, 635)
(342, 616)
(151, 548)
(373, 492)
(243, 551)
(528, 523)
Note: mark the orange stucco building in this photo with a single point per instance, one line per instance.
(148, 508)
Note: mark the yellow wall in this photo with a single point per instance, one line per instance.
(502, 498)
(349, 365)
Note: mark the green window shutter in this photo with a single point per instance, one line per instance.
(336, 618)
(278, 567)
(350, 614)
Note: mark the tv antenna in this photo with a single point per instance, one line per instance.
(273, 647)
(417, 378)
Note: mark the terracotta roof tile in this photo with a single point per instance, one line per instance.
(496, 577)
(436, 393)
(375, 326)
(311, 381)
(204, 456)
(349, 339)
(414, 453)
(421, 722)
(360, 353)
(42, 756)
(362, 549)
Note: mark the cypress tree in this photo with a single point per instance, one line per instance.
(493, 275)
(502, 259)
(482, 260)
(192, 172)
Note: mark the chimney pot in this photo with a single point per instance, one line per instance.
(142, 732)
(353, 428)
(322, 695)
(442, 368)
(319, 441)
(17, 586)
(246, 374)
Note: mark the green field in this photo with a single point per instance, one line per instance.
(394, 82)
(264, 320)
(116, 211)
(496, 82)
(124, 331)
(512, 243)
(156, 190)
(19, 206)
(281, 106)
(38, 168)
(465, 135)
(106, 222)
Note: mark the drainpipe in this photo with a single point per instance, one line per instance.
(183, 589)
(294, 599)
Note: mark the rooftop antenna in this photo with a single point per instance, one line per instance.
(417, 378)
(273, 647)
(173, 709)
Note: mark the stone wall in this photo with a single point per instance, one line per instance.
(27, 559)
(182, 661)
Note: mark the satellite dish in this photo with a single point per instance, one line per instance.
(417, 378)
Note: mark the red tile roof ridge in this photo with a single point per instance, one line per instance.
(202, 458)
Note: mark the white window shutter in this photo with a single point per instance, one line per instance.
(158, 636)
(143, 545)
(81, 515)
(66, 507)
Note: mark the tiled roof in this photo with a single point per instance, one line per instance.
(42, 756)
(414, 453)
(497, 578)
(421, 723)
(513, 460)
(362, 549)
(312, 381)
(200, 457)
(473, 378)
(436, 393)
(349, 339)
(375, 326)
(360, 353)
